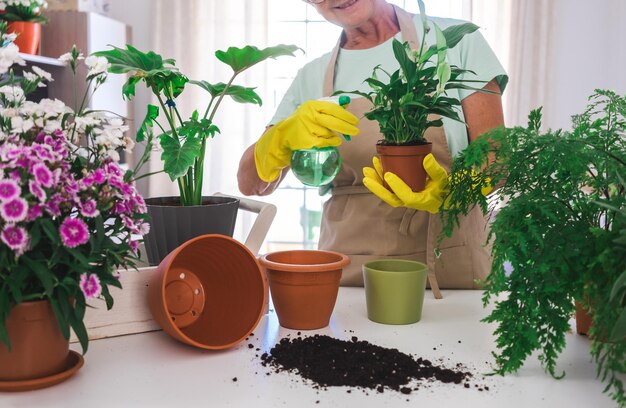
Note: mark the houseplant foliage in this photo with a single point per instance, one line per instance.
(403, 100)
(70, 216)
(23, 10)
(559, 230)
(184, 140)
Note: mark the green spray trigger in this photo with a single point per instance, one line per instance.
(344, 101)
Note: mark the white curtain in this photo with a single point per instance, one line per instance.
(190, 31)
(556, 53)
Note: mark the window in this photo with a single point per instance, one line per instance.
(294, 22)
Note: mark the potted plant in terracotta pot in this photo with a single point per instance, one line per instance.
(557, 234)
(184, 141)
(25, 18)
(70, 217)
(412, 99)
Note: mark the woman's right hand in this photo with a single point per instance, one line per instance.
(313, 124)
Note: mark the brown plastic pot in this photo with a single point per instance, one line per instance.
(209, 292)
(304, 286)
(583, 319)
(29, 36)
(38, 348)
(406, 162)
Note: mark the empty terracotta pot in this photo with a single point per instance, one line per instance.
(209, 292)
(304, 286)
(38, 348)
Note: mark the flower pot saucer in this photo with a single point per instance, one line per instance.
(74, 363)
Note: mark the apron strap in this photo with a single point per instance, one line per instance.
(430, 258)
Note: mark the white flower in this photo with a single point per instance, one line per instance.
(29, 76)
(42, 74)
(96, 65)
(9, 55)
(67, 57)
(12, 93)
(10, 37)
(19, 125)
(9, 112)
(114, 155)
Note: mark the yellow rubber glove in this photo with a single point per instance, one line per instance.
(429, 199)
(313, 124)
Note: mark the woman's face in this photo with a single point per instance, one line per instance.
(349, 13)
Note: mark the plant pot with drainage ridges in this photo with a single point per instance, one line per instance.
(173, 224)
(304, 286)
(210, 292)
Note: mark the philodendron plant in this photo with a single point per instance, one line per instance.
(558, 234)
(184, 140)
(402, 103)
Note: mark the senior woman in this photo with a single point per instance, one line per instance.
(355, 221)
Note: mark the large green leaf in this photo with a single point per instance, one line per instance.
(240, 59)
(177, 158)
(406, 64)
(131, 60)
(239, 93)
(43, 274)
(455, 33)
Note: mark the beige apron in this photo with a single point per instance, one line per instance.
(359, 224)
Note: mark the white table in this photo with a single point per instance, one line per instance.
(153, 370)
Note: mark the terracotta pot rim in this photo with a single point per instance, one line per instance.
(340, 263)
(162, 291)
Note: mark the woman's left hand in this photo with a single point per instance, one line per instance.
(401, 195)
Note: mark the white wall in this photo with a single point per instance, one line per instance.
(588, 38)
(139, 15)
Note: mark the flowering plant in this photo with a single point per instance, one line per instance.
(23, 10)
(69, 215)
(184, 141)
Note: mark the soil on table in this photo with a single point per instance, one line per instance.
(329, 362)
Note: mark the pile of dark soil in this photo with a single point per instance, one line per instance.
(328, 362)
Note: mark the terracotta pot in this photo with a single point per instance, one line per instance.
(304, 286)
(583, 319)
(29, 36)
(210, 292)
(405, 162)
(38, 348)
(172, 224)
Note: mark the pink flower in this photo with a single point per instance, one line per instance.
(42, 174)
(14, 210)
(34, 212)
(73, 232)
(16, 238)
(9, 189)
(89, 209)
(36, 190)
(90, 285)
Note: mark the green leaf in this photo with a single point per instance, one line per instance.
(240, 59)
(618, 287)
(151, 115)
(455, 33)
(177, 158)
(138, 63)
(236, 92)
(618, 334)
(79, 328)
(63, 323)
(44, 275)
(400, 51)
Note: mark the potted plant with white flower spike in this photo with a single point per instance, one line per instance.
(70, 217)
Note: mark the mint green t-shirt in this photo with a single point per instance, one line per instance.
(354, 66)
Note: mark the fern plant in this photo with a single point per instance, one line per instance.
(558, 234)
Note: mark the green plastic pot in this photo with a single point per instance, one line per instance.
(394, 290)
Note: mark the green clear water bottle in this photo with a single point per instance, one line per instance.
(318, 166)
